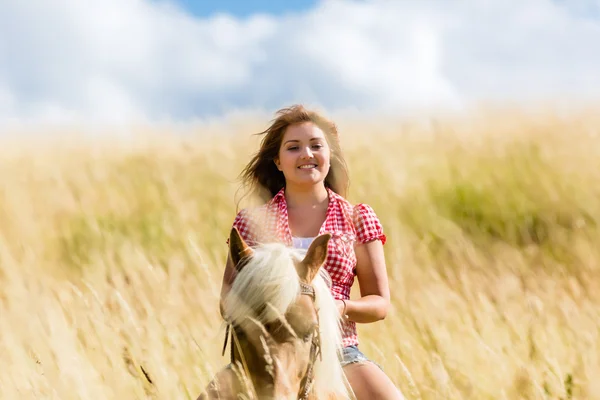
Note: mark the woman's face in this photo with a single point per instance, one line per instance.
(304, 155)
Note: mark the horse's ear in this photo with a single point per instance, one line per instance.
(238, 249)
(315, 257)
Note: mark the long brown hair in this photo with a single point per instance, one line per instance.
(261, 175)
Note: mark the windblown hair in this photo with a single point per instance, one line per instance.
(270, 277)
(261, 175)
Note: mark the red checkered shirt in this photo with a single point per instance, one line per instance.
(349, 225)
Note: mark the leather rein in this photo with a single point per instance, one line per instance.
(315, 349)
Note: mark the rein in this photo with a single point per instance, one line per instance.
(315, 349)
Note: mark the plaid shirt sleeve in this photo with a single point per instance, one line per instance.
(244, 225)
(368, 226)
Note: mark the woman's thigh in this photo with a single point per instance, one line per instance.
(367, 379)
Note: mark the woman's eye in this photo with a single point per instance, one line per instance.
(314, 147)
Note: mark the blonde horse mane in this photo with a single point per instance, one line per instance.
(270, 278)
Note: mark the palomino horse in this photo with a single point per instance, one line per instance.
(285, 328)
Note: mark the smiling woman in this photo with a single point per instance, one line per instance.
(296, 132)
(304, 157)
(300, 173)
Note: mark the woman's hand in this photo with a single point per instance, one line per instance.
(342, 306)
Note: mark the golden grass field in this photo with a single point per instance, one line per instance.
(112, 250)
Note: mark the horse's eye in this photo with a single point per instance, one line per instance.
(270, 328)
(307, 337)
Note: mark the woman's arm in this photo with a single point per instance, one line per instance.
(373, 281)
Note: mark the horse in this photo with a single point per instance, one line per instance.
(284, 326)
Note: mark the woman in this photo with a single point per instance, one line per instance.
(300, 172)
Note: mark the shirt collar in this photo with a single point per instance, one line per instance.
(279, 198)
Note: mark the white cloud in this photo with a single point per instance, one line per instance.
(124, 60)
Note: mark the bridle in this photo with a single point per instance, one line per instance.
(315, 348)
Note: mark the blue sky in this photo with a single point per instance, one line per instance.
(244, 8)
(127, 61)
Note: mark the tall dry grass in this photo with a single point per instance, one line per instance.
(111, 255)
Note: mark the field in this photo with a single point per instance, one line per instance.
(112, 250)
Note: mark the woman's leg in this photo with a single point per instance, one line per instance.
(367, 379)
(369, 382)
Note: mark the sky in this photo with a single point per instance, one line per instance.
(242, 8)
(127, 61)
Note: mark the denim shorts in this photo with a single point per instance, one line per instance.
(353, 355)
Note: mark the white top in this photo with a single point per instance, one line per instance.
(302, 242)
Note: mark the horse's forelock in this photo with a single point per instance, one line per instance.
(269, 276)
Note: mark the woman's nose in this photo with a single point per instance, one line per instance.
(306, 152)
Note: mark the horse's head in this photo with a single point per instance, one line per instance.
(284, 317)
